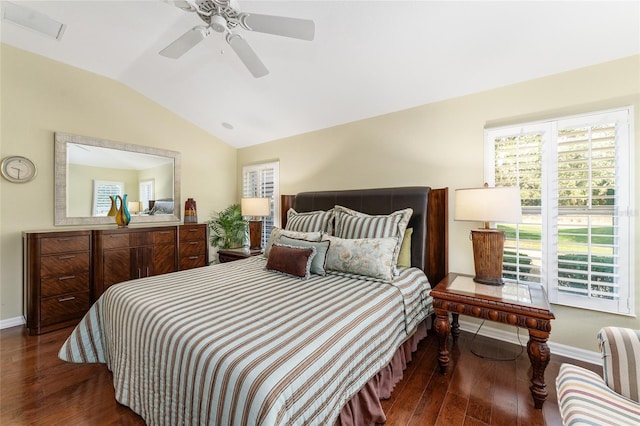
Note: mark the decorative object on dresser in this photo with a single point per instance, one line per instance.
(520, 305)
(66, 271)
(190, 211)
(499, 204)
(255, 208)
(193, 247)
(57, 275)
(123, 217)
(229, 255)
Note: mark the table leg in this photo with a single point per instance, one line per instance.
(455, 326)
(442, 329)
(539, 355)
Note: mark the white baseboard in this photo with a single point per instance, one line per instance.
(11, 322)
(556, 348)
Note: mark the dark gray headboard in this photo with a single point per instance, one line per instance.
(429, 219)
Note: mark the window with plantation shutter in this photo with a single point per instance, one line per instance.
(262, 180)
(575, 182)
(102, 190)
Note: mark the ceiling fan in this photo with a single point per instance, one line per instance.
(223, 16)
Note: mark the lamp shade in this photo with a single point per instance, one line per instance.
(500, 204)
(255, 207)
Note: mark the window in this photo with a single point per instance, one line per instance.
(262, 180)
(575, 182)
(102, 190)
(146, 192)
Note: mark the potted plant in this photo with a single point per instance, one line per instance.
(228, 228)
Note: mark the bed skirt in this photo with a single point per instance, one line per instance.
(364, 408)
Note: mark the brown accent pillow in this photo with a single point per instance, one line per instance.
(289, 260)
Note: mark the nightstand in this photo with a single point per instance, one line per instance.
(229, 255)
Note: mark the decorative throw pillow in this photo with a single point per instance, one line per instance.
(289, 260)
(372, 257)
(353, 224)
(319, 260)
(404, 258)
(276, 233)
(316, 221)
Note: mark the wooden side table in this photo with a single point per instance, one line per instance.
(518, 304)
(229, 255)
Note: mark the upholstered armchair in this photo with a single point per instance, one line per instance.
(585, 398)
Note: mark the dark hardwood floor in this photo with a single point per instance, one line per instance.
(39, 389)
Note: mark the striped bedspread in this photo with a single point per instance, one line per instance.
(234, 344)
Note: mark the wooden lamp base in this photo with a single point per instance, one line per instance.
(488, 245)
(255, 234)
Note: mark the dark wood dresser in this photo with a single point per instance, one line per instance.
(66, 271)
(194, 246)
(57, 275)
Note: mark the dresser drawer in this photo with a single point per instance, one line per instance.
(115, 240)
(190, 248)
(64, 264)
(164, 237)
(64, 244)
(64, 307)
(190, 262)
(53, 286)
(189, 233)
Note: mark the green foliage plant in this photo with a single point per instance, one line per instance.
(228, 228)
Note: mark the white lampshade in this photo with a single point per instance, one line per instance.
(134, 207)
(500, 204)
(255, 207)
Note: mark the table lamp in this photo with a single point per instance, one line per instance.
(499, 204)
(255, 207)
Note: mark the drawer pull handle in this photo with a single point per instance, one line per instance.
(194, 244)
(165, 232)
(64, 239)
(68, 277)
(67, 299)
(193, 230)
(193, 257)
(71, 256)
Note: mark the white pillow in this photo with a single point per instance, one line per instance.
(276, 233)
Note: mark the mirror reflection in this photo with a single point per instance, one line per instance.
(89, 171)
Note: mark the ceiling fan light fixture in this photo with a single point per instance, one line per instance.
(32, 20)
(218, 24)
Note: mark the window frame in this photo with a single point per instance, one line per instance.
(550, 226)
(274, 219)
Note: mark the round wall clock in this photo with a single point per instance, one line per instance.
(18, 169)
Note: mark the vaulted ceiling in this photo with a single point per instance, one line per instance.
(367, 58)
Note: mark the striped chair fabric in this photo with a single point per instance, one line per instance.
(620, 349)
(584, 398)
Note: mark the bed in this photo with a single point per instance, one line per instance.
(237, 343)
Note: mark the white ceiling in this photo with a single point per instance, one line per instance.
(368, 57)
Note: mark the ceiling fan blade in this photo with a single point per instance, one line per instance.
(303, 29)
(185, 42)
(247, 55)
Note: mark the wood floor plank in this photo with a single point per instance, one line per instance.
(37, 388)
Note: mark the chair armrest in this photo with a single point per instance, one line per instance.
(584, 399)
(620, 348)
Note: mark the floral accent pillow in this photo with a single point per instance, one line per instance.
(372, 257)
(353, 224)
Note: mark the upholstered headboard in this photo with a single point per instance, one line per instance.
(429, 220)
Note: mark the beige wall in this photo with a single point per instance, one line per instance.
(40, 97)
(441, 144)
